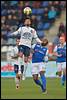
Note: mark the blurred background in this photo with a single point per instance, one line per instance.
(48, 18)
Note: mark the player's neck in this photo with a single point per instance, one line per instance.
(27, 25)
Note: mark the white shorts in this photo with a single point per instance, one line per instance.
(37, 67)
(61, 66)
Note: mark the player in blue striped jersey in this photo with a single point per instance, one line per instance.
(40, 51)
(60, 53)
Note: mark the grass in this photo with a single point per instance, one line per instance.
(29, 90)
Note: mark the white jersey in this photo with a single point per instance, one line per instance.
(27, 34)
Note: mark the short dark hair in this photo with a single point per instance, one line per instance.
(18, 38)
(27, 17)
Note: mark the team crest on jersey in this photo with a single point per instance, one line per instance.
(32, 31)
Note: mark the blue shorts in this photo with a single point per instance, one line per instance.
(16, 68)
(25, 50)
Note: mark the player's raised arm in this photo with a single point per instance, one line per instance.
(14, 33)
(17, 32)
(36, 37)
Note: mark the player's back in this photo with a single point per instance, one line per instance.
(27, 34)
(28, 31)
(39, 53)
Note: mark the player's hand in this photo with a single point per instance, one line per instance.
(57, 55)
(9, 35)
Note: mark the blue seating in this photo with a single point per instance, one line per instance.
(45, 4)
(34, 11)
(46, 26)
(4, 12)
(40, 26)
(40, 34)
(13, 3)
(37, 11)
(40, 11)
(38, 17)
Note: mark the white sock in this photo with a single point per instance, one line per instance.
(25, 68)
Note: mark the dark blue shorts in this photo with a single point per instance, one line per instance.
(25, 50)
(16, 68)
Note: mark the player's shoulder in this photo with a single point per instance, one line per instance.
(38, 44)
(64, 43)
(32, 30)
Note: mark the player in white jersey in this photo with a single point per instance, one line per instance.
(16, 57)
(27, 35)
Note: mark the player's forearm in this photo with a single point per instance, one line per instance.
(15, 33)
(38, 40)
(56, 54)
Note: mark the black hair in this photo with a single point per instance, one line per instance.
(26, 17)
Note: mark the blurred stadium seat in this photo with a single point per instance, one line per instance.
(45, 4)
(46, 26)
(41, 34)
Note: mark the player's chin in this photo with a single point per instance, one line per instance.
(28, 25)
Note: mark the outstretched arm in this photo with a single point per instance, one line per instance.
(17, 32)
(14, 33)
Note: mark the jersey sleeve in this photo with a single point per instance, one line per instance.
(33, 46)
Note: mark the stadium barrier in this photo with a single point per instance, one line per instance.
(8, 70)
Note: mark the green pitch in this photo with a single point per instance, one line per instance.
(29, 90)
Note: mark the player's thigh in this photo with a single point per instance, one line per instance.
(27, 51)
(34, 68)
(42, 67)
